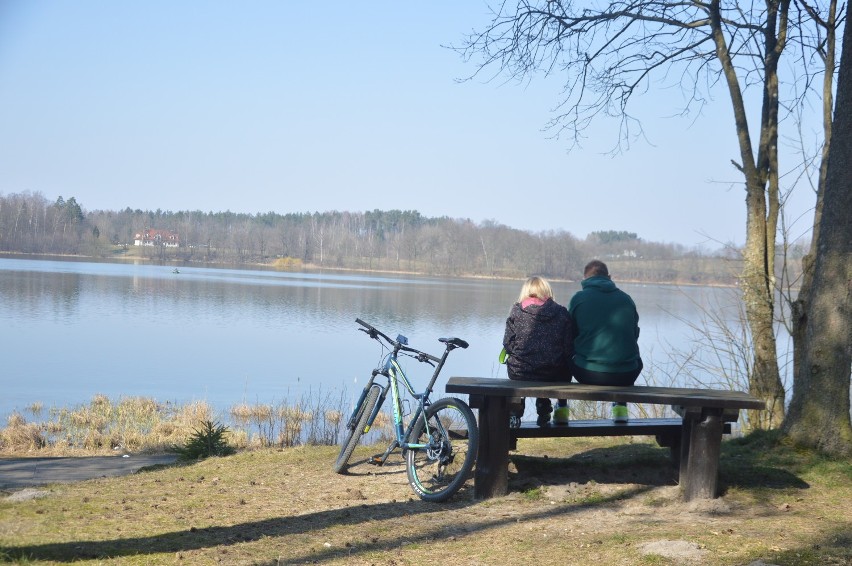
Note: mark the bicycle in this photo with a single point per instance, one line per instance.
(440, 442)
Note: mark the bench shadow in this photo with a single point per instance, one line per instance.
(642, 464)
(743, 464)
(756, 461)
(756, 476)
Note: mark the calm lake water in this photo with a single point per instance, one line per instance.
(70, 330)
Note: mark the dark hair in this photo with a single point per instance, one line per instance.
(595, 268)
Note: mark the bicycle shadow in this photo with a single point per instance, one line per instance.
(365, 467)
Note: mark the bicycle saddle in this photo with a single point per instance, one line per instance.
(458, 342)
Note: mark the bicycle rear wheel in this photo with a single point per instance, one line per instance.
(354, 432)
(439, 470)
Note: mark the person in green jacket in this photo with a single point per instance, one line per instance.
(606, 334)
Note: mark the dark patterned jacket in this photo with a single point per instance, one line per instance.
(539, 342)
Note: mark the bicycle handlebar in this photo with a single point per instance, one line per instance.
(374, 332)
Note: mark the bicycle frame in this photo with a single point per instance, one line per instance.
(392, 370)
(439, 444)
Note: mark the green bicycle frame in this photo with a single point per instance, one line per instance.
(394, 373)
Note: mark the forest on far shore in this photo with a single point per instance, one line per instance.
(391, 240)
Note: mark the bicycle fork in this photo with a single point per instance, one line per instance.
(353, 419)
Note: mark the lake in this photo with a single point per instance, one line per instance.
(73, 329)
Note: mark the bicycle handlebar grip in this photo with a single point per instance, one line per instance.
(373, 331)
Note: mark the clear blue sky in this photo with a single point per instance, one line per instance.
(299, 107)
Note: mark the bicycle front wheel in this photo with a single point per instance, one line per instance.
(449, 431)
(353, 433)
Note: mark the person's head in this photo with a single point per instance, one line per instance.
(536, 287)
(595, 268)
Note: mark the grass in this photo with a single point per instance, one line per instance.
(277, 502)
(584, 501)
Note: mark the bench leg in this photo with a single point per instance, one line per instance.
(516, 405)
(491, 477)
(673, 443)
(701, 477)
(683, 456)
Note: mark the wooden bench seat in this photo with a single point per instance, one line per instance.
(695, 438)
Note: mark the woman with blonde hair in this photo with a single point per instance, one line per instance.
(539, 343)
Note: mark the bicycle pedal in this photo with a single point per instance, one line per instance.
(376, 460)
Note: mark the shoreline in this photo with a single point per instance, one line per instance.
(314, 267)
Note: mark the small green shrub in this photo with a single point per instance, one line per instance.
(533, 494)
(209, 440)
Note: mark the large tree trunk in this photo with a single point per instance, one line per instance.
(819, 411)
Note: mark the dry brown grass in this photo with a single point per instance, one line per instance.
(21, 436)
(132, 423)
(141, 424)
(578, 501)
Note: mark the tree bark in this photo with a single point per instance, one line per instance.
(819, 411)
(761, 224)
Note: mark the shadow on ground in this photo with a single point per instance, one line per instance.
(201, 538)
(642, 464)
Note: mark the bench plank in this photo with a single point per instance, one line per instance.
(634, 394)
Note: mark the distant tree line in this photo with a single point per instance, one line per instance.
(374, 240)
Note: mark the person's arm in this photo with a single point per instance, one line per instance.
(509, 333)
(575, 329)
(570, 333)
(636, 313)
(572, 308)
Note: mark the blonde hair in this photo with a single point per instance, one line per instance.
(536, 287)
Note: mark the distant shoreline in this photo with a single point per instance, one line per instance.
(125, 258)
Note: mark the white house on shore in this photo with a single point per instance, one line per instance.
(153, 237)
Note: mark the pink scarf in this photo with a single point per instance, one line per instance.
(531, 301)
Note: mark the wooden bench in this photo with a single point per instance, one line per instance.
(695, 437)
